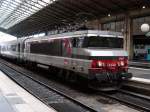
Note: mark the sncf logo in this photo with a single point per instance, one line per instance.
(67, 46)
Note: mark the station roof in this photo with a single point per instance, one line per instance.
(25, 17)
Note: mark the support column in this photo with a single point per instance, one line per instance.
(128, 37)
(100, 26)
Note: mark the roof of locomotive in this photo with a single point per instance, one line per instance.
(69, 35)
(79, 34)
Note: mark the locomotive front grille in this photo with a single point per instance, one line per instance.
(108, 77)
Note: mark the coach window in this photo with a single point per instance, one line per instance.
(3, 48)
(13, 47)
(8, 48)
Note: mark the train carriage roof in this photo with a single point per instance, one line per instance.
(79, 34)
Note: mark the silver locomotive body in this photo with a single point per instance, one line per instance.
(95, 55)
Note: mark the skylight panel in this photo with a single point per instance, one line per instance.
(14, 11)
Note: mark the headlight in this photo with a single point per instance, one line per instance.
(122, 63)
(100, 64)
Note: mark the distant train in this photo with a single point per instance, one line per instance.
(97, 56)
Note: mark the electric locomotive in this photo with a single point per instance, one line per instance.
(97, 56)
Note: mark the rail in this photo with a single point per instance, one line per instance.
(4, 68)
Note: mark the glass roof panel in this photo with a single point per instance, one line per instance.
(14, 11)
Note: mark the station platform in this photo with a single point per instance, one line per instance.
(13, 98)
(141, 75)
(142, 64)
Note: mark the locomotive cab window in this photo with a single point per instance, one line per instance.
(78, 42)
(105, 42)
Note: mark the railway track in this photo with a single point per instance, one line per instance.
(131, 99)
(11, 72)
(127, 97)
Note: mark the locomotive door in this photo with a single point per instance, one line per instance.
(77, 47)
(26, 50)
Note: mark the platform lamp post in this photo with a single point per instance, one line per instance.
(145, 27)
